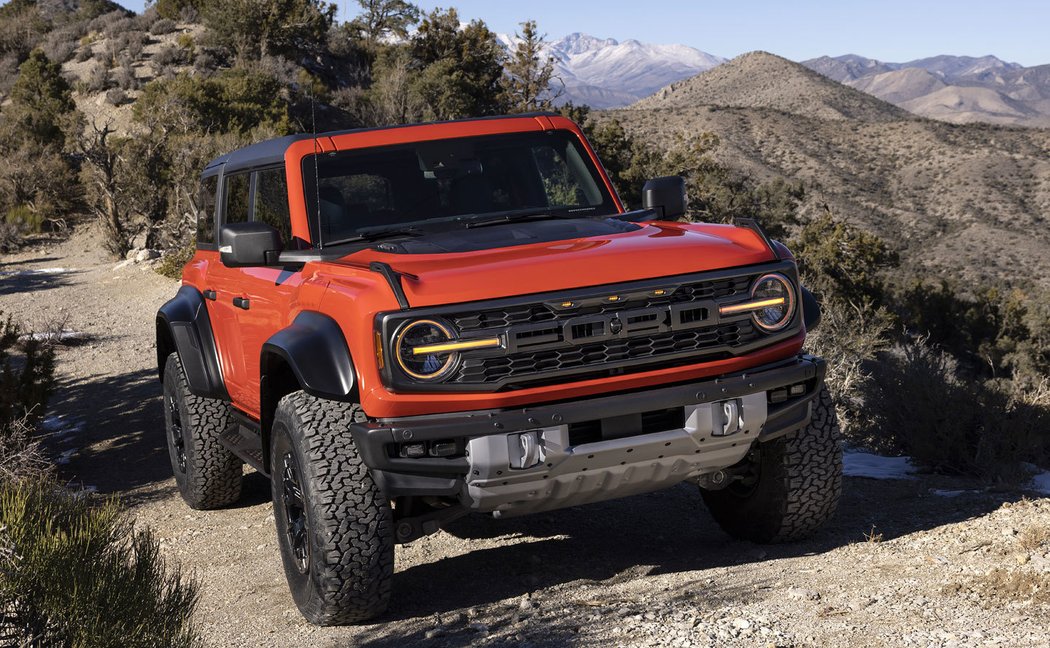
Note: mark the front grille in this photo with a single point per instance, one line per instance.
(536, 363)
(501, 318)
(596, 332)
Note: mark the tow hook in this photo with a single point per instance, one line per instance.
(716, 480)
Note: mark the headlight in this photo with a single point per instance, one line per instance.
(773, 302)
(418, 348)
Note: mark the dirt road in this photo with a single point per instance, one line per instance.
(923, 562)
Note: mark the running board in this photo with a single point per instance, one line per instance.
(242, 439)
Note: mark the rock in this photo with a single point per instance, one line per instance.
(434, 633)
(146, 255)
(741, 624)
(130, 255)
(799, 594)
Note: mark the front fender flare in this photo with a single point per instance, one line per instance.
(314, 348)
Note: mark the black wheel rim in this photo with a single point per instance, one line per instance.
(175, 433)
(296, 527)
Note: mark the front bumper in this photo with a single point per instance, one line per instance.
(583, 470)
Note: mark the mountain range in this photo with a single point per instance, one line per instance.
(606, 73)
(958, 89)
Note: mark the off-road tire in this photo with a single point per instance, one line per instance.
(349, 526)
(798, 488)
(209, 476)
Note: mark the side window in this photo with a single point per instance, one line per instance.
(206, 211)
(271, 202)
(236, 198)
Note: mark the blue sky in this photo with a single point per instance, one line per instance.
(890, 30)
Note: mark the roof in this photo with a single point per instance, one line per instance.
(271, 151)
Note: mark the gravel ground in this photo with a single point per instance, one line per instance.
(929, 561)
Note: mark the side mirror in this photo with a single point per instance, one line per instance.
(249, 244)
(666, 195)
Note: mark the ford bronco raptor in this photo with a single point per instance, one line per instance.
(401, 326)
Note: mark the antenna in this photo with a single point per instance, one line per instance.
(317, 175)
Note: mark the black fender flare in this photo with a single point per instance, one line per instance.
(314, 348)
(810, 310)
(183, 325)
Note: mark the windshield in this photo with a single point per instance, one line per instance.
(444, 183)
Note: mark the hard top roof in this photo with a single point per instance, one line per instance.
(271, 151)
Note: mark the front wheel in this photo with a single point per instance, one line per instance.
(334, 526)
(793, 486)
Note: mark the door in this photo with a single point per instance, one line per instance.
(251, 304)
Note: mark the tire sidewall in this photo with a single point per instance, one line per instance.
(173, 389)
(303, 586)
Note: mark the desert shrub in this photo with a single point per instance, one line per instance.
(116, 97)
(186, 42)
(25, 219)
(21, 456)
(97, 78)
(76, 572)
(125, 77)
(172, 263)
(849, 337)
(162, 26)
(934, 412)
(167, 57)
(10, 236)
(59, 45)
(107, 22)
(84, 53)
(40, 98)
(237, 100)
(841, 260)
(134, 42)
(27, 368)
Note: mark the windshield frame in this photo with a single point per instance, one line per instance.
(610, 204)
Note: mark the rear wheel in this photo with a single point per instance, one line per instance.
(792, 485)
(334, 526)
(207, 474)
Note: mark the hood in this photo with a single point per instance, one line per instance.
(654, 249)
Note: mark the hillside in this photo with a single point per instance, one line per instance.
(763, 80)
(967, 201)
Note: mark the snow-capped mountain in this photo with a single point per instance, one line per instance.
(605, 73)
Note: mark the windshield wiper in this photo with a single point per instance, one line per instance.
(496, 218)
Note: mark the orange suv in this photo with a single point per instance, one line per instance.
(401, 326)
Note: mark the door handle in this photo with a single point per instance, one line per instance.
(242, 302)
(209, 294)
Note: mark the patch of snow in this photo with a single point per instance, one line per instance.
(1041, 482)
(59, 426)
(26, 273)
(941, 492)
(53, 336)
(66, 456)
(872, 466)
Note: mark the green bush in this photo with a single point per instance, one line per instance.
(25, 219)
(74, 571)
(172, 263)
(929, 407)
(26, 374)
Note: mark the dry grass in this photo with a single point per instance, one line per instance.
(1033, 538)
(1016, 585)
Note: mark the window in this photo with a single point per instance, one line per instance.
(446, 180)
(206, 211)
(236, 198)
(271, 202)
